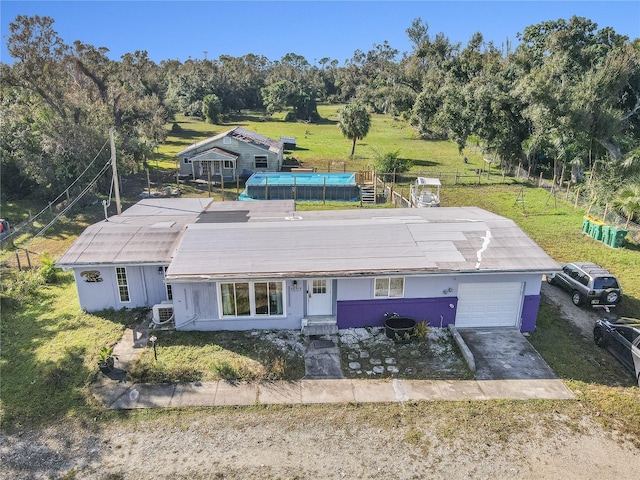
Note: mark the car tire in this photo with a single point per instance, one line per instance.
(611, 296)
(599, 338)
(576, 298)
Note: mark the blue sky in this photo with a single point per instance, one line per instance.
(314, 29)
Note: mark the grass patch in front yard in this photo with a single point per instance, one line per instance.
(210, 356)
(573, 357)
(49, 353)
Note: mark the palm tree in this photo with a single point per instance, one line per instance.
(354, 122)
(628, 200)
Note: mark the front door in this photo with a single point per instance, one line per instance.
(319, 297)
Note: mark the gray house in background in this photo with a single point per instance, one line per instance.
(230, 154)
(263, 265)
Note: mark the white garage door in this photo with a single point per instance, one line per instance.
(496, 304)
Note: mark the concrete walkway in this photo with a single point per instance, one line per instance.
(116, 392)
(223, 393)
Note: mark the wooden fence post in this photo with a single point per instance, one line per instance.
(26, 252)
(18, 260)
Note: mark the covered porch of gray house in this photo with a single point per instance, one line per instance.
(215, 165)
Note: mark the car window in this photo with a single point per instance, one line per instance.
(583, 279)
(626, 332)
(568, 270)
(602, 283)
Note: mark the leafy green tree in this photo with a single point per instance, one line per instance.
(211, 108)
(74, 96)
(354, 122)
(292, 82)
(389, 162)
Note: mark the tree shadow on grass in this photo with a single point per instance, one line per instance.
(425, 163)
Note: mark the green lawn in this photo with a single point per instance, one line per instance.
(318, 145)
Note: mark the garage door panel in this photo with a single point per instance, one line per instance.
(496, 304)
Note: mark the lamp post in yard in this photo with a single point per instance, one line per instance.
(153, 340)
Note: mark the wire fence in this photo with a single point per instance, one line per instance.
(395, 189)
(564, 191)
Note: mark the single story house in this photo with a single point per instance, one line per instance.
(230, 154)
(263, 265)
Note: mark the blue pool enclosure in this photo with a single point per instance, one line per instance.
(302, 186)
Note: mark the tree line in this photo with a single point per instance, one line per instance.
(566, 98)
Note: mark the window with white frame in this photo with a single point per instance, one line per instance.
(226, 140)
(261, 161)
(123, 286)
(251, 299)
(319, 287)
(389, 287)
(168, 286)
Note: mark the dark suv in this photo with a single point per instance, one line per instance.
(588, 282)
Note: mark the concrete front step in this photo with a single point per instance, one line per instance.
(320, 325)
(320, 329)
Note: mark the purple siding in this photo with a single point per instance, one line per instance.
(370, 313)
(530, 313)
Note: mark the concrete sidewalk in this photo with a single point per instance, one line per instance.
(121, 395)
(116, 392)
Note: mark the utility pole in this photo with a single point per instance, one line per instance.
(116, 184)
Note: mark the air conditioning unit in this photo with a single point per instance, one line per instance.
(162, 313)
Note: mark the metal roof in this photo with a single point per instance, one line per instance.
(214, 153)
(167, 206)
(359, 242)
(149, 231)
(115, 243)
(241, 134)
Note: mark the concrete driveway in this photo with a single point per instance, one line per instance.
(504, 354)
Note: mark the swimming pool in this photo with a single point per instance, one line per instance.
(302, 186)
